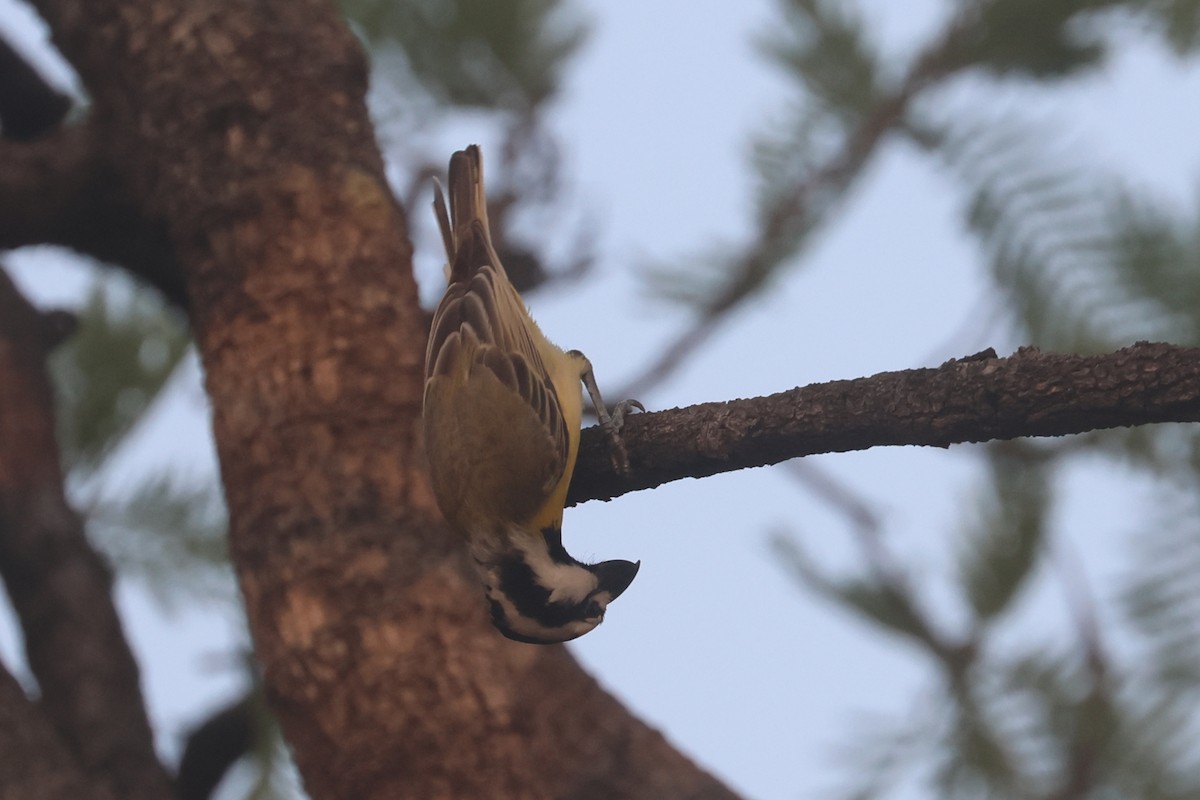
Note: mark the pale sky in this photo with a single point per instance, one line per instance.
(714, 643)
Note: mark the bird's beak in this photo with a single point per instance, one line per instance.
(615, 576)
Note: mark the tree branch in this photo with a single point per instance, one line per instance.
(62, 189)
(975, 400)
(29, 106)
(36, 765)
(60, 588)
(59, 187)
(215, 745)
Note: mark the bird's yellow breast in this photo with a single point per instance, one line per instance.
(564, 374)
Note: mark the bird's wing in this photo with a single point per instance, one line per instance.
(483, 372)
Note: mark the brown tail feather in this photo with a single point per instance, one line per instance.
(443, 220)
(464, 225)
(467, 199)
(468, 203)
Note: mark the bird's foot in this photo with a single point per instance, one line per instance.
(612, 425)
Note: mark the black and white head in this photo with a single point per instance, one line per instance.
(540, 594)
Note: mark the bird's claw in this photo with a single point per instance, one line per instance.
(612, 425)
(621, 409)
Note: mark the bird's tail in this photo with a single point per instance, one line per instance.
(468, 204)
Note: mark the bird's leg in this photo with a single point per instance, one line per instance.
(610, 424)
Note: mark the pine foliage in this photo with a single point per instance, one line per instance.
(1082, 260)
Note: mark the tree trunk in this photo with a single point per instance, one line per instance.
(241, 129)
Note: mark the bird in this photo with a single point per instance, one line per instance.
(501, 419)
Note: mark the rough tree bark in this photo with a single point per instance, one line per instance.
(973, 399)
(229, 145)
(241, 129)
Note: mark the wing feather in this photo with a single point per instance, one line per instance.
(481, 337)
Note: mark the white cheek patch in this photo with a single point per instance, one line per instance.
(528, 629)
(568, 583)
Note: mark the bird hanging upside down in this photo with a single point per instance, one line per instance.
(502, 415)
